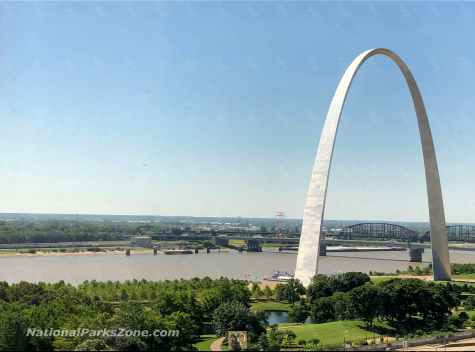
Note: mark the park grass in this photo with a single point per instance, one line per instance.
(274, 245)
(455, 277)
(464, 276)
(382, 278)
(270, 306)
(333, 333)
(205, 342)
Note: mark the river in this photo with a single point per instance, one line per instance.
(251, 266)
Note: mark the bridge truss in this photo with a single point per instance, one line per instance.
(457, 233)
(378, 231)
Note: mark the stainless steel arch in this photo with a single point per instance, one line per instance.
(307, 258)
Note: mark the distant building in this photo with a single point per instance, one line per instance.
(141, 241)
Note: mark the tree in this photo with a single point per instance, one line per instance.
(267, 292)
(290, 291)
(347, 281)
(275, 338)
(86, 306)
(398, 300)
(366, 303)
(322, 310)
(438, 307)
(469, 303)
(94, 344)
(124, 296)
(325, 286)
(263, 342)
(319, 287)
(13, 328)
(402, 300)
(458, 321)
(130, 343)
(208, 244)
(188, 332)
(342, 306)
(299, 312)
(231, 316)
(256, 291)
(3, 291)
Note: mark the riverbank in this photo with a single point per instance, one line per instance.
(81, 252)
(62, 252)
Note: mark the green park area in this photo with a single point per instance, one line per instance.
(274, 245)
(205, 341)
(460, 273)
(348, 308)
(466, 276)
(328, 334)
(333, 333)
(270, 305)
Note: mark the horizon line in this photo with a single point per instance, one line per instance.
(221, 217)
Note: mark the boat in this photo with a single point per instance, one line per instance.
(280, 276)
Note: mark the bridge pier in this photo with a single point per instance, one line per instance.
(415, 254)
(323, 249)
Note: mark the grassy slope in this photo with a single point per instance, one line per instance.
(271, 305)
(378, 279)
(334, 333)
(459, 277)
(205, 343)
(275, 245)
(464, 277)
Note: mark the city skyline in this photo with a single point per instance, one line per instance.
(181, 105)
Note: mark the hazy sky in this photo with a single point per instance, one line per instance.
(215, 109)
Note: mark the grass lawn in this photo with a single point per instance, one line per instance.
(464, 277)
(275, 245)
(205, 343)
(270, 305)
(333, 333)
(378, 279)
(461, 277)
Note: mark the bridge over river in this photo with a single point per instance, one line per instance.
(380, 236)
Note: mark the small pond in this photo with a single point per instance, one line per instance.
(277, 317)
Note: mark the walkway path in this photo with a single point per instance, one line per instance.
(460, 345)
(216, 345)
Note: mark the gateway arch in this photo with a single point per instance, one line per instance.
(307, 258)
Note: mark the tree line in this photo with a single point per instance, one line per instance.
(61, 231)
(184, 305)
(405, 304)
(201, 306)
